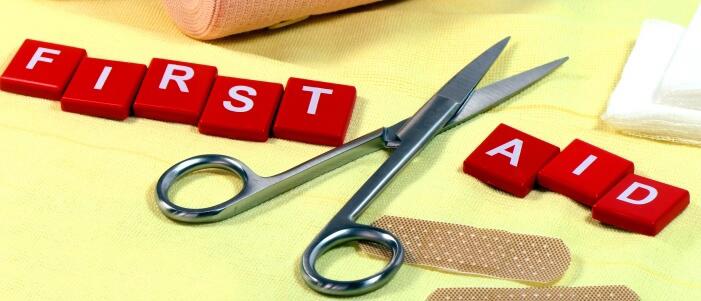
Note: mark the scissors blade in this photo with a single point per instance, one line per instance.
(488, 97)
(416, 133)
(458, 89)
(496, 93)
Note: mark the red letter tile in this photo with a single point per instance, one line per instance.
(103, 88)
(240, 109)
(641, 205)
(509, 160)
(584, 172)
(41, 69)
(315, 112)
(174, 91)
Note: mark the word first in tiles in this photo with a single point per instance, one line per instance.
(172, 91)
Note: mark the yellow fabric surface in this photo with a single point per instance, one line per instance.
(78, 214)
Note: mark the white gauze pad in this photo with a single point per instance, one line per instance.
(681, 85)
(631, 107)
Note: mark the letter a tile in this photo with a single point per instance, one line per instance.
(509, 160)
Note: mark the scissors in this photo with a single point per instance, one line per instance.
(450, 106)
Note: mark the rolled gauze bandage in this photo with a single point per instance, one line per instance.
(211, 19)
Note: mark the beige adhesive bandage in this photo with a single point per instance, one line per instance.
(471, 250)
(211, 19)
(585, 293)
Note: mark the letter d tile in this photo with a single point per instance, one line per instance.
(641, 205)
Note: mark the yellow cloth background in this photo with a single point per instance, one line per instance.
(77, 202)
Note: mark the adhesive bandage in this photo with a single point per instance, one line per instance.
(471, 250)
(584, 293)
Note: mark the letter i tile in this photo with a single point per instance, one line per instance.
(103, 88)
(584, 172)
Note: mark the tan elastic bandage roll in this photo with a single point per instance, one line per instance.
(211, 19)
(471, 250)
(584, 293)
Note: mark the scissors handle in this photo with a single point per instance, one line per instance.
(349, 232)
(251, 183)
(256, 189)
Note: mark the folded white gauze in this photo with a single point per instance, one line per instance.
(632, 107)
(681, 85)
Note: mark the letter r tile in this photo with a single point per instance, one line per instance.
(174, 91)
(103, 88)
(509, 160)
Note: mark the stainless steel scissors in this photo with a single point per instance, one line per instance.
(450, 106)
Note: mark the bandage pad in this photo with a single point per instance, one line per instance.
(471, 250)
(584, 293)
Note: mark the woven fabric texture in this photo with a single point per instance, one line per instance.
(79, 220)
